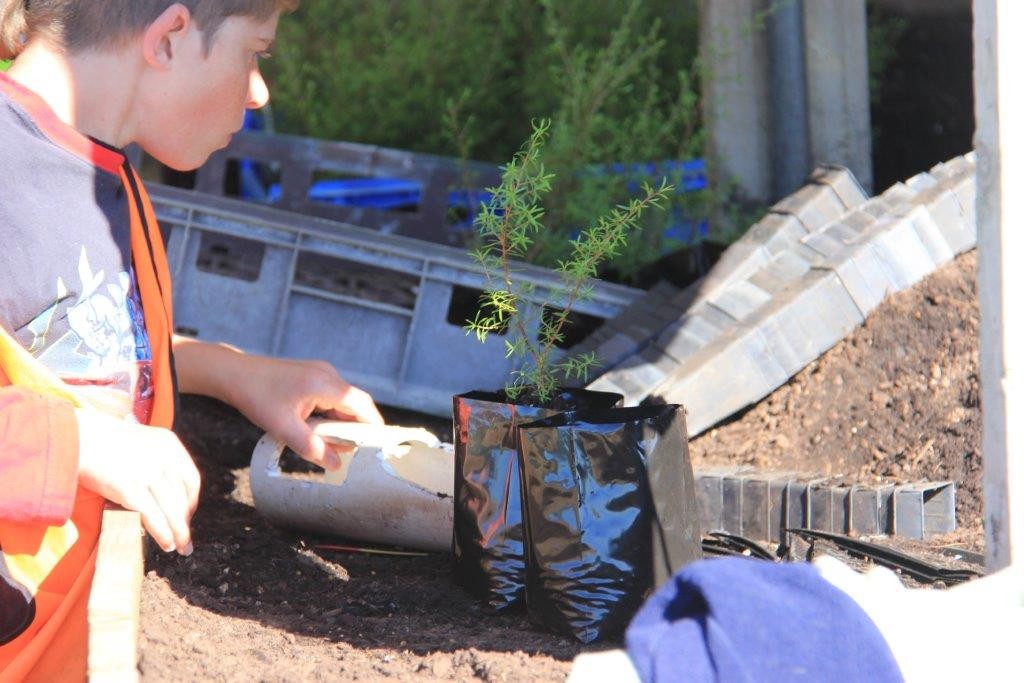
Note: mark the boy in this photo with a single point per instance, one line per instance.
(89, 366)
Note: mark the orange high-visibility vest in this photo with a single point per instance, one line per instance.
(54, 564)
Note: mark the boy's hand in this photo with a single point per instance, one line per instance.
(276, 394)
(145, 469)
(279, 395)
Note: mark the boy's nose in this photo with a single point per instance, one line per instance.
(259, 95)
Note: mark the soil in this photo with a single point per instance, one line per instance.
(897, 399)
(254, 602)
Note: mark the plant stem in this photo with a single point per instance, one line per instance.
(594, 258)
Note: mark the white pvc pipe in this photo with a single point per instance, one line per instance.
(395, 487)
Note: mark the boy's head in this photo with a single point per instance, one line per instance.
(81, 24)
(197, 61)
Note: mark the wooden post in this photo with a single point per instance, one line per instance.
(999, 141)
(734, 52)
(790, 130)
(779, 101)
(838, 100)
(114, 599)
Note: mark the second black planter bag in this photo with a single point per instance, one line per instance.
(610, 512)
(488, 536)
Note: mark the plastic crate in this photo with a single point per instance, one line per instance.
(376, 306)
(429, 197)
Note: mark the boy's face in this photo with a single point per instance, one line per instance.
(195, 107)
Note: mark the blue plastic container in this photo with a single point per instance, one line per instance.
(376, 193)
(401, 194)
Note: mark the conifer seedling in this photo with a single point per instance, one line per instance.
(506, 226)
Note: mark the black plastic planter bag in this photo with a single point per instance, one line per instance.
(610, 513)
(488, 537)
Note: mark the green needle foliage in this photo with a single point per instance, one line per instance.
(619, 80)
(507, 228)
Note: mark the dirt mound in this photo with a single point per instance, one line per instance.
(897, 399)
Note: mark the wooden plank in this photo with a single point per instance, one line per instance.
(114, 598)
(999, 106)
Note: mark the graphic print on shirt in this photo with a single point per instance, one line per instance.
(105, 349)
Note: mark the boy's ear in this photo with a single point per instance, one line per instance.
(162, 38)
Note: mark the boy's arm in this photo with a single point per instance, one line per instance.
(48, 447)
(38, 457)
(275, 394)
(143, 468)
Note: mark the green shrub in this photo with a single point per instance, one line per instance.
(616, 107)
(384, 71)
(465, 78)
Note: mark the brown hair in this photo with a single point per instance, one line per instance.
(81, 24)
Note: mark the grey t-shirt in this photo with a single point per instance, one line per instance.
(68, 291)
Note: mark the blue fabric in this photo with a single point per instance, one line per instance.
(737, 619)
